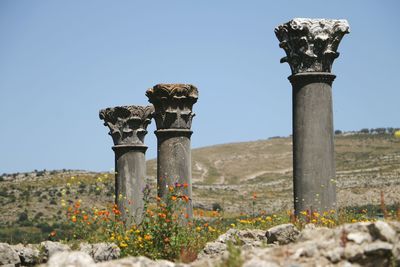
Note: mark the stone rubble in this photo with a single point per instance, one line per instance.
(358, 244)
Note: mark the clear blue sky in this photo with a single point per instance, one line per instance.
(62, 61)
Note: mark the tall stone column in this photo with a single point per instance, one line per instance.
(311, 47)
(127, 126)
(173, 115)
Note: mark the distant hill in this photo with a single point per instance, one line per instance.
(226, 174)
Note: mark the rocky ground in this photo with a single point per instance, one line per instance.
(359, 244)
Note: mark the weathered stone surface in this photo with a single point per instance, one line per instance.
(139, 262)
(101, 251)
(173, 114)
(127, 124)
(282, 234)
(326, 247)
(50, 248)
(28, 254)
(311, 47)
(70, 259)
(8, 257)
(173, 105)
(247, 239)
(311, 44)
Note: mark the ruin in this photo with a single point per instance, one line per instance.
(173, 114)
(127, 126)
(311, 47)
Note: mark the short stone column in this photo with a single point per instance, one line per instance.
(311, 47)
(173, 115)
(127, 126)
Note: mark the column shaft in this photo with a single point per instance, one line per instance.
(174, 163)
(130, 166)
(313, 145)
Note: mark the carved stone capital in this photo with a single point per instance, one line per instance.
(173, 105)
(311, 44)
(127, 124)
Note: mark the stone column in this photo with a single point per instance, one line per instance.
(127, 126)
(311, 47)
(173, 115)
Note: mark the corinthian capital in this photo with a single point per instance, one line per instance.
(311, 44)
(173, 105)
(127, 124)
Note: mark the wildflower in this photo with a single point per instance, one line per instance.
(73, 218)
(173, 198)
(147, 237)
(304, 213)
(198, 228)
(233, 225)
(53, 233)
(254, 196)
(185, 198)
(185, 185)
(162, 215)
(123, 244)
(397, 134)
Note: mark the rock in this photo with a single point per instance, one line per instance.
(8, 256)
(310, 233)
(282, 234)
(378, 248)
(213, 249)
(50, 248)
(247, 239)
(383, 231)
(70, 259)
(255, 262)
(139, 262)
(358, 237)
(29, 254)
(334, 255)
(101, 251)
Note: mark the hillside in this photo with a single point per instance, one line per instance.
(226, 174)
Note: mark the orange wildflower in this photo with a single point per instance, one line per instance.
(73, 219)
(185, 198)
(147, 237)
(173, 198)
(53, 233)
(185, 185)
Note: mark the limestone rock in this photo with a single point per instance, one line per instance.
(70, 259)
(28, 254)
(101, 251)
(139, 262)
(8, 256)
(50, 248)
(282, 234)
(247, 239)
